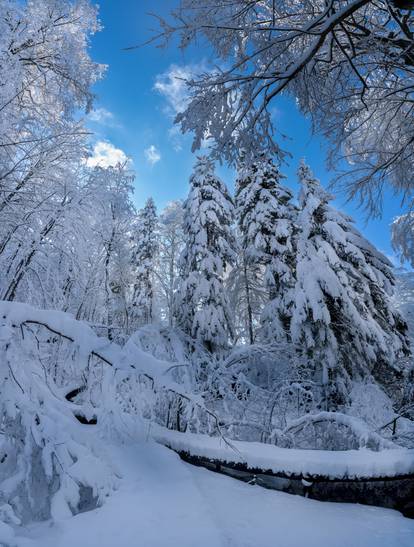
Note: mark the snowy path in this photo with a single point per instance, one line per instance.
(164, 502)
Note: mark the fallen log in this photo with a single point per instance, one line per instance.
(387, 479)
(393, 492)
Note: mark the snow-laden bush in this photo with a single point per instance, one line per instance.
(50, 465)
(64, 391)
(59, 381)
(371, 404)
(164, 343)
(187, 362)
(257, 393)
(332, 431)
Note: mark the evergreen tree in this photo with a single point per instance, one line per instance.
(202, 307)
(343, 316)
(246, 296)
(265, 219)
(144, 258)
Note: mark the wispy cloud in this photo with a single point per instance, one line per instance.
(102, 116)
(172, 86)
(105, 154)
(152, 154)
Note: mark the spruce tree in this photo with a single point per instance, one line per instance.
(201, 304)
(144, 258)
(343, 316)
(265, 219)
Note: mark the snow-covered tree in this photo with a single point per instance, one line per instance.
(111, 225)
(201, 306)
(343, 316)
(46, 75)
(144, 263)
(246, 295)
(265, 219)
(348, 63)
(402, 232)
(171, 243)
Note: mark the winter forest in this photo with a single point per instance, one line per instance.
(233, 366)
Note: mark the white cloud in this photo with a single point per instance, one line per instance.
(102, 116)
(106, 154)
(172, 85)
(152, 154)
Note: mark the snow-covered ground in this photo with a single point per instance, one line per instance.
(164, 502)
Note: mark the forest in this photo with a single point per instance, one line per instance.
(248, 324)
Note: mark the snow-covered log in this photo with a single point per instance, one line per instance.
(383, 478)
(288, 462)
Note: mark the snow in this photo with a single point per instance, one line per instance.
(201, 300)
(362, 463)
(128, 357)
(164, 502)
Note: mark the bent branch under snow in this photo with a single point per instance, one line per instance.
(128, 357)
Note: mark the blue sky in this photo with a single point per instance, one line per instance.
(137, 99)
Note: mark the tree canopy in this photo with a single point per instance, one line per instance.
(349, 64)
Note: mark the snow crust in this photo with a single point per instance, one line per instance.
(362, 463)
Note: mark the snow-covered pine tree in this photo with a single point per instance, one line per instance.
(246, 295)
(144, 258)
(202, 307)
(266, 219)
(343, 316)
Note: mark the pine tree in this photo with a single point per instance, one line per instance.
(343, 316)
(265, 219)
(247, 295)
(202, 307)
(144, 258)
